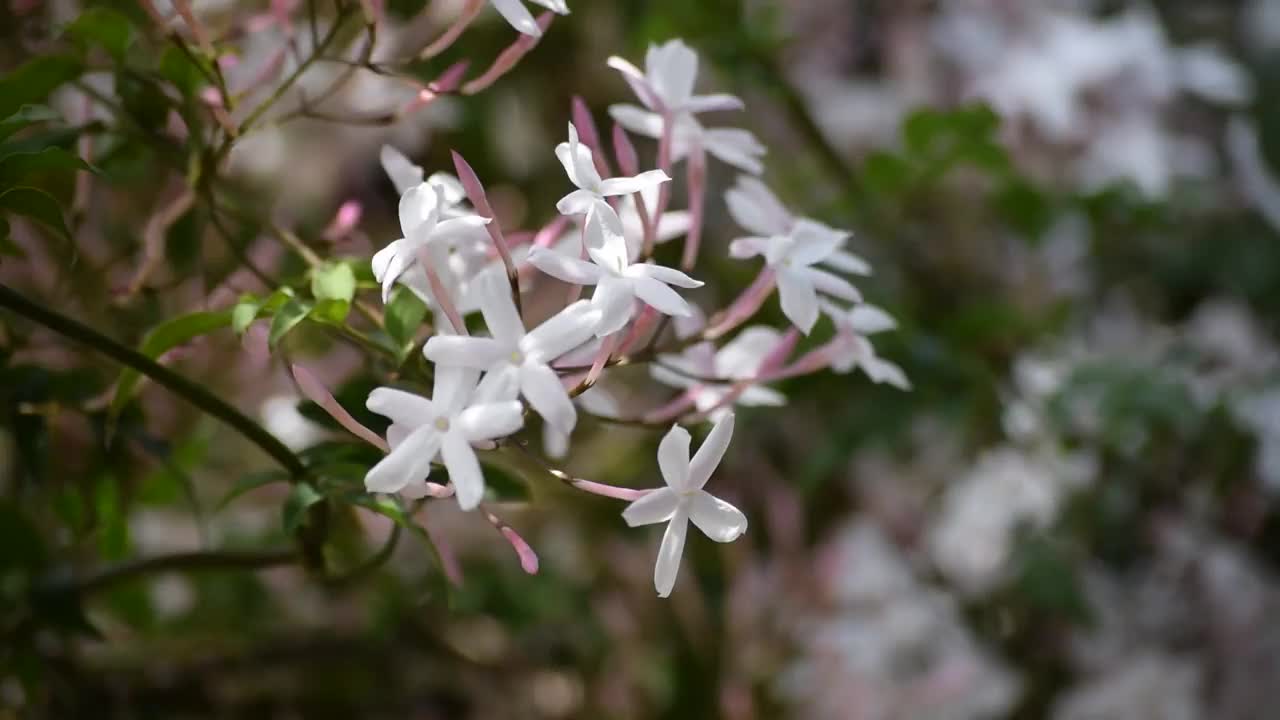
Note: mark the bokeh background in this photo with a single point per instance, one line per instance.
(1073, 210)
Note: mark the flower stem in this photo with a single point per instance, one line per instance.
(175, 383)
(208, 560)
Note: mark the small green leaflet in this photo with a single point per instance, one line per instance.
(161, 338)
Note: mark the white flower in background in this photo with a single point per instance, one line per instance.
(406, 176)
(589, 198)
(281, 418)
(683, 499)
(672, 224)
(424, 224)
(739, 359)
(618, 282)
(793, 248)
(1146, 685)
(446, 425)
(516, 362)
(595, 400)
(854, 349)
(666, 86)
(521, 19)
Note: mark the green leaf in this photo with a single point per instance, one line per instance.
(331, 311)
(26, 115)
(294, 512)
(334, 281)
(251, 482)
(37, 205)
(33, 81)
(886, 173)
(404, 315)
(161, 338)
(288, 317)
(922, 129)
(103, 26)
(178, 68)
(244, 313)
(19, 166)
(7, 246)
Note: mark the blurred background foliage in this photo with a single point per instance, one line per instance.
(1072, 212)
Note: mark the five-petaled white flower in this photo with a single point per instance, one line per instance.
(683, 499)
(446, 425)
(618, 282)
(666, 89)
(739, 359)
(519, 17)
(516, 362)
(589, 198)
(852, 349)
(793, 247)
(425, 225)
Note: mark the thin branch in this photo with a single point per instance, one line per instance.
(161, 375)
(185, 562)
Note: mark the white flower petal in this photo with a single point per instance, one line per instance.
(799, 299)
(556, 6)
(667, 275)
(667, 566)
(417, 209)
(672, 224)
(713, 103)
(403, 408)
(563, 267)
(453, 388)
(578, 202)
(748, 247)
(672, 69)
(708, 457)
(756, 208)
(654, 506)
(736, 147)
(521, 19)
(499, 309)
(561, 332)
(489, 421)
(659, 296)
(869, 319)
(463, 351)
(637, 120)
(546, 394)
(403, 173)
(812, 242)
(409, 462)
(831, 284)
(498, 385)
(615, 299)
(847, 262)
(673, 458)
(667, 376)
(761, 396)
(884, 371)
(741, 357)
(464, 469)
(716, 518)
(629, 185)
(636, 79)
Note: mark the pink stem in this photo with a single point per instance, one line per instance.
(590, 136)
(675, 408)
(197, 28)
(480, 200)
(508, 58)
(448, 561)
(664, 192)
(528, 558)
(318, 394)
(697, 170)
(441, 294)
(741, 309)
(607, 346)
(643, 324)
(442, 43)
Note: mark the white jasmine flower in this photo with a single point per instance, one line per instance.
(683, 499)
(666, 87)
(424, 224)
(618, 282)
(445, 425)
(406, 176)
(519, 17)
(590, 196)
(853, 349)
(516, 362)
(739, 359)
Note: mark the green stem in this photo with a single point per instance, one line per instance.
(161, 375)
(189, 561)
